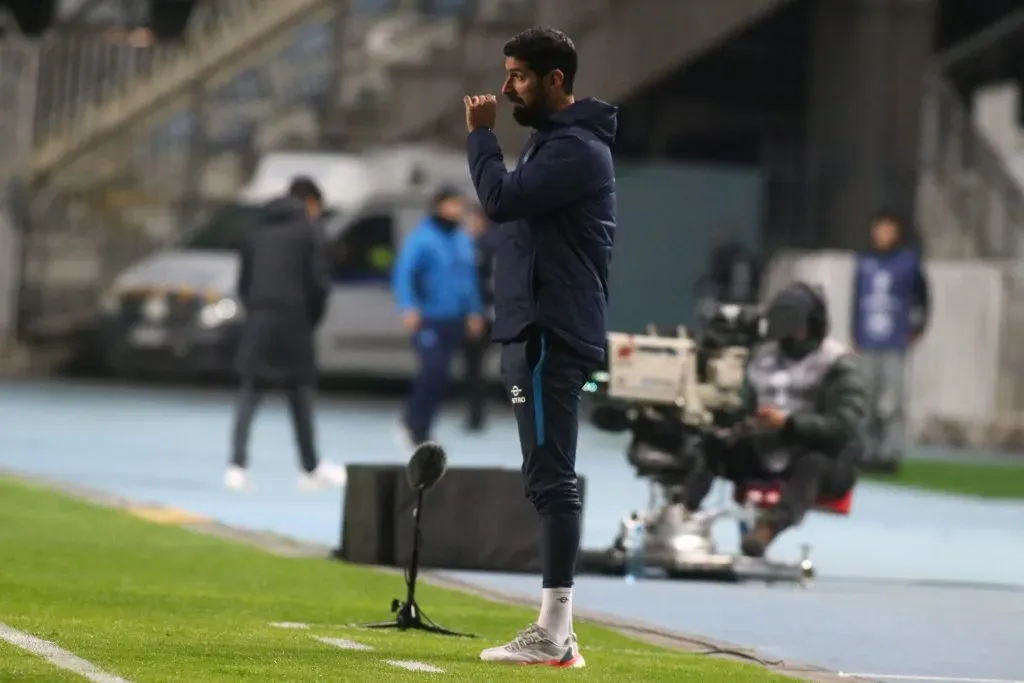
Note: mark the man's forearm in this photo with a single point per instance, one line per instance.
(845, 410)
(487, 170)
(828, 433)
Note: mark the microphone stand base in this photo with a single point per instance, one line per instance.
(409, 617)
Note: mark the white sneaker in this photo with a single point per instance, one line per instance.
(236, 479)
(326, 475)
(536, 646)
(577, 659)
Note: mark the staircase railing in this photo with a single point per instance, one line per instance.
(972, 205)
(136, 178)
(964, 175)
(227, 34)
(980, 190)
(19, 65)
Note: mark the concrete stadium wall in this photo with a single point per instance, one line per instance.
(670, 216)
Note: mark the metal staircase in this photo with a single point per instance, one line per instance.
(133, 168)
(623, 47)
(240, 34)
(111, 176)
(111, 160)
(970, 204)
(19, 64)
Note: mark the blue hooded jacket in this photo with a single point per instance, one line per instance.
(559, 204)
(435, 273)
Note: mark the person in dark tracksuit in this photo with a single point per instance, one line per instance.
(486, 239)
(283, 286)
(891, 308)
(435, 288)
(551, 293)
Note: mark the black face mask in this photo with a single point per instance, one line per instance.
(795, 349)
(446, 224)
(789, 318)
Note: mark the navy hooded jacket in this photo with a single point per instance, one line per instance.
(559, 209)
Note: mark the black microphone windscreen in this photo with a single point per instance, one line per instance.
(426, 466)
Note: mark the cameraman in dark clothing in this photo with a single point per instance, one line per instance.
(809, 401)
(283, 284)
(486, 238)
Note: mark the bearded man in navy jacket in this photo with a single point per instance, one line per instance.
(551, 291)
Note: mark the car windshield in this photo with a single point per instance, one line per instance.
(225, 230)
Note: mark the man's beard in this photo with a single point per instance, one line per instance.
(529, 115)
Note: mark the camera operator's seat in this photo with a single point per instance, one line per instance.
(765, 494)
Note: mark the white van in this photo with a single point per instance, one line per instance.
(176, 311)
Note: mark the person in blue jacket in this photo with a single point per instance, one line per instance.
(558, 208)
(436, 290)
(890, 312)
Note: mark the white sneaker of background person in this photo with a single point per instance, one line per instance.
(326, 475)
(236, 478)
(538, 646)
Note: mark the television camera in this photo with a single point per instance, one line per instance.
(706, 391)
(671, 391)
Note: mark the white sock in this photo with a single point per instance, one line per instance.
(556, 613)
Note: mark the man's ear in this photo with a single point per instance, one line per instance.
(556, 79)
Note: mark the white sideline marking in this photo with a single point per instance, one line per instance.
(56, 655)
(929, 679)
(345, 644)
(414, 666)
(289, 624)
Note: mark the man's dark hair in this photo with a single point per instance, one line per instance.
(305, 188)
(544, 50)
(888, 215)
(446, 192)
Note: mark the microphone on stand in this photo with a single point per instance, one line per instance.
(426, 467)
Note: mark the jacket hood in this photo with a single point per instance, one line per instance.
(798, 305)
(593, 114)
(284, 209)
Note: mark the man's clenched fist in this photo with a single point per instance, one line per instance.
(481, 111)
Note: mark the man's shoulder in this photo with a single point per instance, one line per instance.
(420, 233)
(464, 240)
(837, 354)
(910, 256)
(845, 366)
(578, 140)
